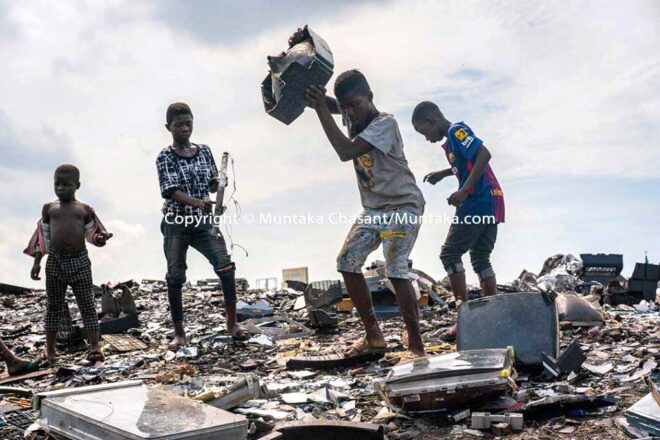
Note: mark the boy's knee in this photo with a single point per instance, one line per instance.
(451, 260)
(347, 263)
(175, 278)
(225, 269)
(227, 275)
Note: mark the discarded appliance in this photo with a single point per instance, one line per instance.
(601, 268)
(565, 405)
(320, 294)
(330, 430)
(645, 414)
(526, 321)
(569, 361)
(114, 305)
(307, 62)
(484, 420)
(276, 327)
(118, 313)
(448, 381)
(241, 391)
(318, 304)
(130, 410)
(577, 311)
(119, 325)
(644, 281)
(259, 309)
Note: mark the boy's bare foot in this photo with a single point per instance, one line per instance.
(51, 355)
(179, 341)
(238, 333)
(20, 366)
(450, 334)
(179, 335)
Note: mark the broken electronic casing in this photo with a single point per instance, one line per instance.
(276, 327)
(296, 79)
(645, 415)
(601, 268)
(130, 410)
(241, 391)
(318, 302)
(526, 321)
(448, 381)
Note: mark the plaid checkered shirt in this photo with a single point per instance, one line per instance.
(188, 174)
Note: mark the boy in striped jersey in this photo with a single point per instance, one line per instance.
(479, 200)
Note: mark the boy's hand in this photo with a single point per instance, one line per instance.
(102, 238)
(204, 205)
(34, 273)
(297, 37)
(316, 97)
(458, 197)
(213, 184)
(434, 177)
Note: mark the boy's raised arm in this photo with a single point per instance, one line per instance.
(346, 149)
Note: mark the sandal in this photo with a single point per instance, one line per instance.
(31, 367)
(361, 347)
(95, 356)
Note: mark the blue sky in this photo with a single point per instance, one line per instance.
(565, 94)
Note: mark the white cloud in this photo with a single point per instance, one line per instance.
(557, 90)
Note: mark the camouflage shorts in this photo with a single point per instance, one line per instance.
(396, 229)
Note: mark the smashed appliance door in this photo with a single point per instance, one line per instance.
(133, 411)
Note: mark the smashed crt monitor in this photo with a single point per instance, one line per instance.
(526, 321)
(133, 411)
(448, 381)
(308, 62)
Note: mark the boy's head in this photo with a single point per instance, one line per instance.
(179, 120)
(355, 99)
(66, 182)
(428, 120)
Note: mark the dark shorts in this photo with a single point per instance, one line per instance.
(479, 240)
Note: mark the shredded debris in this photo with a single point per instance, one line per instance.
(621, 345)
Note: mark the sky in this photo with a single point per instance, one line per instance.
(566, 95)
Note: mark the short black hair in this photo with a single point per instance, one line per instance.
(69, 170)
(351, 81)
(424, 110)
(177, 109)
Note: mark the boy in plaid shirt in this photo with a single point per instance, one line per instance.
(61, 232)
